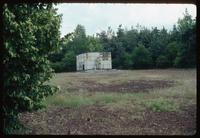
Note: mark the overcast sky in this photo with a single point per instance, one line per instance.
(98, 17)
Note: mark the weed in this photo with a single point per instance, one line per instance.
(105, 98)
(68, 100)
(161, 104)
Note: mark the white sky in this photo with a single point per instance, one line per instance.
(98, 17)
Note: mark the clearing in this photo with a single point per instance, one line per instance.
(118, 102)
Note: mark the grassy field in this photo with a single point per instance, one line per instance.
(141, 102)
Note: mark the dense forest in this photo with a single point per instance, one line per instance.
(136, 48)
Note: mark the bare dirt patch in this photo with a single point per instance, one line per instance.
(130, 86)
(96, 119)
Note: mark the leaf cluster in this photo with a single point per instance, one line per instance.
(30, 34)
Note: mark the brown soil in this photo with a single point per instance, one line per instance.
(130, 86)
(96, 119)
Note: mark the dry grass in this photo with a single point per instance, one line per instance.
(182, 94)
(163, 111)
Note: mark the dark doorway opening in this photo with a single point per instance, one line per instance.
(83, 67)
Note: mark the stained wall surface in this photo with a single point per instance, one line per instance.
(94, 61)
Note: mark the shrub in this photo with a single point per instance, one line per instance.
(141, 57)
(162, 62)
(69, 61)
(57, 66)
(171, 51)
(30, 33)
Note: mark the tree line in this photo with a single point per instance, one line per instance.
(135, 48)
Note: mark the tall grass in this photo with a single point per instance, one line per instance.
(73, 100)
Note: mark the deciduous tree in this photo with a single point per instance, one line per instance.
(30, 33)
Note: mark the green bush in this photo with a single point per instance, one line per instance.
(162, 62)
(141, 57)
(69, 61)
(57, 66)
(171, 51)
(30, 34)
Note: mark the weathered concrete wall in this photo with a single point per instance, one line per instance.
(94, 61)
